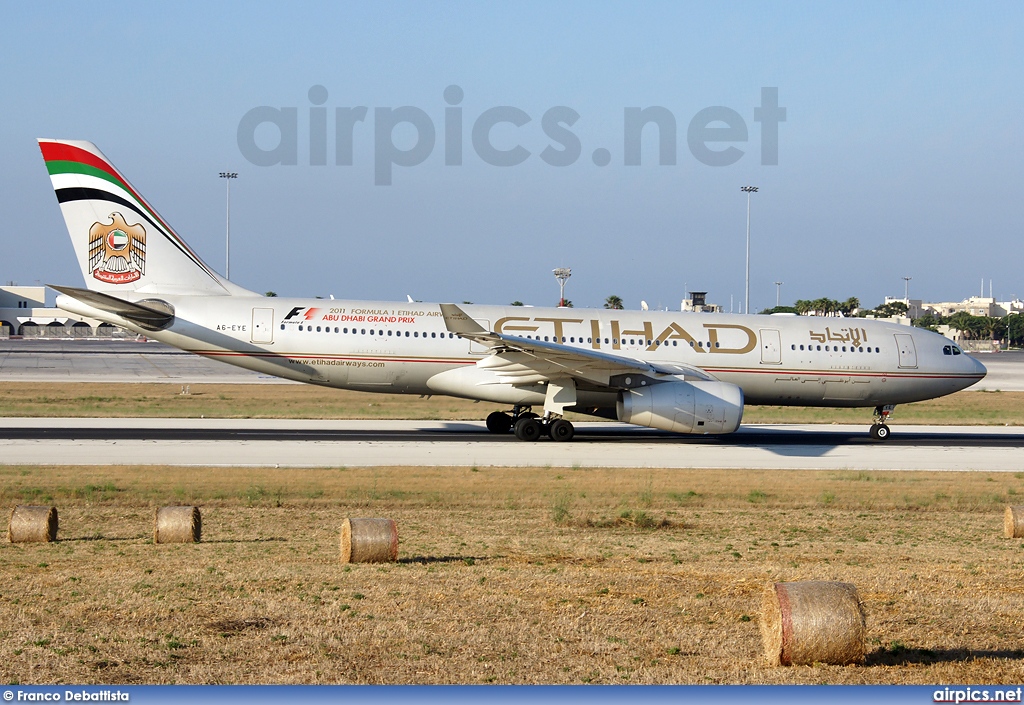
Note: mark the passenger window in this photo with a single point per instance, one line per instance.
(844, 348)
(793, 346)
(819, 348)
(433, 335)
(860, 349)
(282, 326)
(362, 331)
(300, 326)
(801, 347)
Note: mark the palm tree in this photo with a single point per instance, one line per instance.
(614, 302)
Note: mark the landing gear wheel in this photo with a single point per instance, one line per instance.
(499, 422)
(528, 429)
(561, 430)
(880, 432)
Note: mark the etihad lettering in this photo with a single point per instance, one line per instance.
(714, 328)
(501, 325)
(724, 338)
(854, 336)
(558, 323)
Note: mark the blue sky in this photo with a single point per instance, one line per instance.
(901, 153)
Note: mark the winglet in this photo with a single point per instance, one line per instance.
(458, 321)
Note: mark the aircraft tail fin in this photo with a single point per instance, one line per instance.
(122, 243)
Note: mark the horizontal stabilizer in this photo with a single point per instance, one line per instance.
(150, 314)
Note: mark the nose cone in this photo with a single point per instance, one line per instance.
(977, 368)
(969, 370)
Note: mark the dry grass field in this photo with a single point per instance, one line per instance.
(544, 575)
(309, 402)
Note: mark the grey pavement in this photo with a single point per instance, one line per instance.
(48, 360)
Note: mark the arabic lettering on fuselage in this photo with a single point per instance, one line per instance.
(853, 336)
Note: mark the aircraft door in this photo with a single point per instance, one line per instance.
(262, 325)
(908, 352)
(771, 347)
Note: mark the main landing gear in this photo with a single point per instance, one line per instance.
(527, 426)
(879, 431)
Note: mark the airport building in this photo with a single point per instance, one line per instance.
(24, 312)
(976, 306)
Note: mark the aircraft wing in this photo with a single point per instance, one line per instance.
(518, 360)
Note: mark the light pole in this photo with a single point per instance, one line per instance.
(561, 274)
(746, 297)
(906, 289)
(778, 291)
(227, 176)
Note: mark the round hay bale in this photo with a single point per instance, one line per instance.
(369, 541)
(30, 524)
(812, 622)
(177, 525)
(1013, 523)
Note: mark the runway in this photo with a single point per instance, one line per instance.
(298, 444)
(289, 443)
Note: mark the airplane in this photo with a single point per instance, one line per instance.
(684, 372)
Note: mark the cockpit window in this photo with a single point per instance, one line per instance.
(947, 349)
(956, 350)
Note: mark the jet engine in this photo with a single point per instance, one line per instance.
(683, 407)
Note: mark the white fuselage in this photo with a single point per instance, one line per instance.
(407, 348)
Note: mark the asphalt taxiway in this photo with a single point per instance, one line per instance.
(299, 443)
(305, 443)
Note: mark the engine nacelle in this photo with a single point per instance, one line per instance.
(683, 407)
